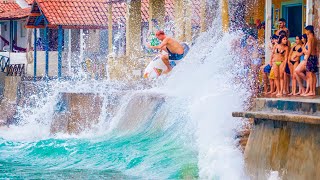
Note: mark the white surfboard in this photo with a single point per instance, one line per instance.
(157, 66)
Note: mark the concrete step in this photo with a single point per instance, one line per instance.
(295, 105)
(281, 116)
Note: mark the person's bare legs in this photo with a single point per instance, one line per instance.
(300, 76)
(312, 84)
(165, 59)
(294, 80)
(308, 81)
(282, 73)
(276, 80)
(285, 82)
(272, 88)
(291, 67)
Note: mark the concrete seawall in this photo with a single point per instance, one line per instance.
(9, 87)
(285, 137)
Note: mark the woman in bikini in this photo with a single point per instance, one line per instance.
(301, 68)
(280, 57)
(294, 58)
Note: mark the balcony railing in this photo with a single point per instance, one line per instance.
(16, 70)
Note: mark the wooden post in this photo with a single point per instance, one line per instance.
(69, 50)
(179, 12)
(187, 21)
(60, 34)
(110, 45)
(81, 45)
(133, 28)
(11, 35)
(309, 12)
(203, 16)
(225, 15)
(268, 30)
(46, 35)
(35, 55)
(157, 12)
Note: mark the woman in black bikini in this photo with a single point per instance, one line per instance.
(280, 57)
(294, 58)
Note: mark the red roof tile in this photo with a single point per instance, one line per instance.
(29, 1)
(119, 12)
(75, 12)
(8, 6)
(195, 18)
(169, 5)
(15, 14)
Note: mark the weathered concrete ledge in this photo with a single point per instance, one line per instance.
(301, 105)
(285, 137)
(308, 119)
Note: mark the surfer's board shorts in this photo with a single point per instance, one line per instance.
(176, 57)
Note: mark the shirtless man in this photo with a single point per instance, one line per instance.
(312, 60)
(282, 27)
(174, 48)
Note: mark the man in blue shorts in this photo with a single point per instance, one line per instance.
(175, 50)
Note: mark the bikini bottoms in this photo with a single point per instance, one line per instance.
(278, 63)
(293, 62)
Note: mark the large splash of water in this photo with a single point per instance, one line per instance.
(181, 128)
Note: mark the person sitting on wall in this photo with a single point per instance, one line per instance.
(173, 47)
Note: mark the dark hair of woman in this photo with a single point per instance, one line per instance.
(280, 39)
(305, 37)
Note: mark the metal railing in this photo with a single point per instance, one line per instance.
(16, 70)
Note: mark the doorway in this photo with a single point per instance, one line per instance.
(293, 14)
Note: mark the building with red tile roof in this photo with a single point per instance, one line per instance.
(94, 13)
(71, 13)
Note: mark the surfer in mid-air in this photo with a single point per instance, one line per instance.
(175, 50)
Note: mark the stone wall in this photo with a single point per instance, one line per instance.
(9, 100)
(76, 112)
(290, 148)
(2, 80)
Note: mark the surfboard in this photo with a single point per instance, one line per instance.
(156, 67)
